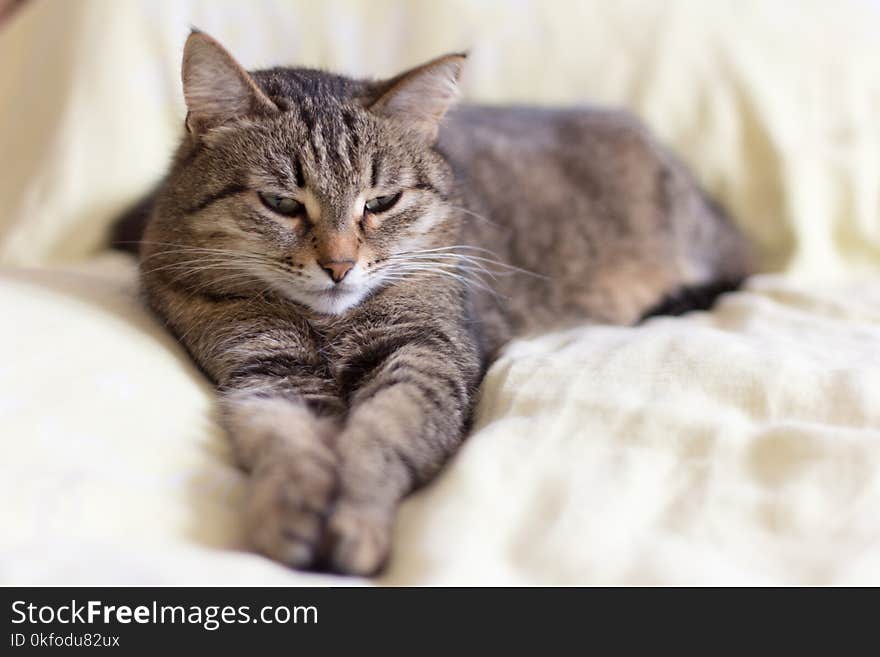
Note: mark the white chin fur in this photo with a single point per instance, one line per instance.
(331, 302)
(316, 293)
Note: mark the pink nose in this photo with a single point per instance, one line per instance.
(337, 269)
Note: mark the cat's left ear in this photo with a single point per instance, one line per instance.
(216, 87)
(421, 97)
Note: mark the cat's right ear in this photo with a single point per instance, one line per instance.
(215, 86)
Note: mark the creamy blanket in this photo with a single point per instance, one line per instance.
(736, 446)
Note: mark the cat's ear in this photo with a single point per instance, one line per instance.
(216, 88)
(421, 96)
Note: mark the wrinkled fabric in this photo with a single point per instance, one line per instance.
(737, 446)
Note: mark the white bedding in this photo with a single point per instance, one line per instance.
(736, 446)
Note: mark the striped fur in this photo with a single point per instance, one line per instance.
(341, 398)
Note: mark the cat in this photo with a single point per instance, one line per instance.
(344, 259)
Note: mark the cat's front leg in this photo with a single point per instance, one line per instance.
(287, 448)
(407, 417)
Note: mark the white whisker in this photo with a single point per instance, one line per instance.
(477, 215)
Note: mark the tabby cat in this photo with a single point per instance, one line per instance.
(344, 262)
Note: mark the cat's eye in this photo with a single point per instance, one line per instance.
(382, 203)
(285, 205)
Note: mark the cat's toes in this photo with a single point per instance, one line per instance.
(357, 540)
(286, 510)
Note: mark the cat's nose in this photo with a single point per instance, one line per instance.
(337, 269)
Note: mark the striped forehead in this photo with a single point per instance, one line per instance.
(332, 150)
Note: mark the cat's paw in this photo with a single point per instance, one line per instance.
(287, 506)
(357, 539)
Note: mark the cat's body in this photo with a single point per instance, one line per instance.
(586, 199)
(345, 276)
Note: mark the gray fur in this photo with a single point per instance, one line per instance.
(342, 398)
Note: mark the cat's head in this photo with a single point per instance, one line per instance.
(306, 183)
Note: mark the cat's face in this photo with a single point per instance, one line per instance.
(328, 205)
(321, 197)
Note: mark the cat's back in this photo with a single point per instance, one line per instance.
(570, 164)
(508, 134)
(588, 199)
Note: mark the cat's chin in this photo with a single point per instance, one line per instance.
(332, 301)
